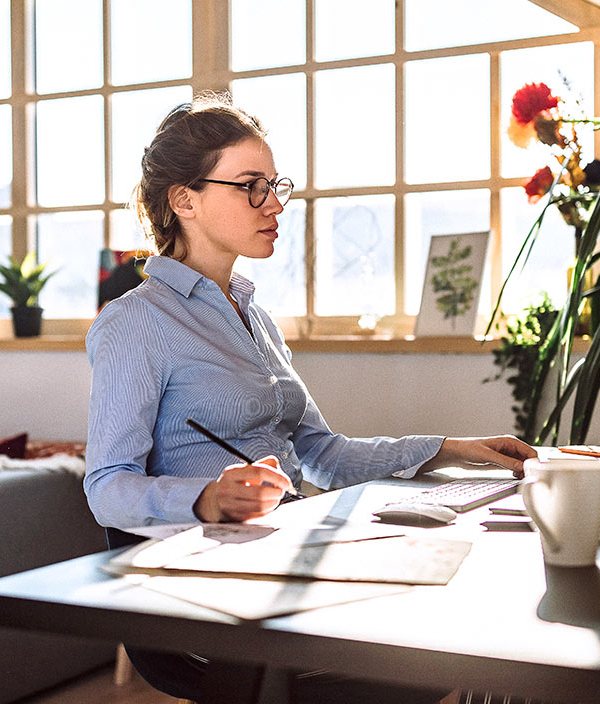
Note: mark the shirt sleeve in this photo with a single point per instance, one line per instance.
(131, 363)
(332, 460)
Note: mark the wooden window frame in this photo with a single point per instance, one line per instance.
(210, 69)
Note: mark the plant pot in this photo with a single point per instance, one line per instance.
(27, 321)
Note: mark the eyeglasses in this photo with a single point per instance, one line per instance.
(258, 190)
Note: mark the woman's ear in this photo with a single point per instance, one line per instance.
(180, 201)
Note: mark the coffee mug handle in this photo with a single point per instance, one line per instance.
(527, 491)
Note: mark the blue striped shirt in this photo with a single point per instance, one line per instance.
(174, 348)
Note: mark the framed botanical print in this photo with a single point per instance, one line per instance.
(452, 284)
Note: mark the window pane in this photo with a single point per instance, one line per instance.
(550, 65)
(125, 231)
(5, 251)
(135, 118)
(70, 243)
(553, 252)
(352, 28)
(267, 33)
(68, 59)
(5, 62)
(463, 22)
(355, 139)
(439, 213)
(70, 151)
(280, 280)
(355, 256)
(6, 162)
(279, 102)
(444, 144)
(151, 40)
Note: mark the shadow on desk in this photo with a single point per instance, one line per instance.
(572, 596)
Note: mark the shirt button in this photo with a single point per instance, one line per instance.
(277, 419)
(272, 379)
(285, 455)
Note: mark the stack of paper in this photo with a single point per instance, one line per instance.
(256, 571)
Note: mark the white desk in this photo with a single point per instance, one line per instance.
(503, 622)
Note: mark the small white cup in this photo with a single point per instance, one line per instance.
(562, 497)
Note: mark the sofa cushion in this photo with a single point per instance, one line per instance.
(14, 446)
(44, 518)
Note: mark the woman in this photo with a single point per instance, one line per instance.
(190, 342)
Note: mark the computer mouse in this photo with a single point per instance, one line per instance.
(412, 513)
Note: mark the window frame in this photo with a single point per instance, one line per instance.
(210, 69)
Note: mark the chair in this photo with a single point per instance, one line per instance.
(187, 676)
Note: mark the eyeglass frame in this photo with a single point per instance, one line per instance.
(249, 185)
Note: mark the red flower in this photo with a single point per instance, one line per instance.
(539, 184)
(532, 99)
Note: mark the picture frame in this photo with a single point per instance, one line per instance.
(452, 284)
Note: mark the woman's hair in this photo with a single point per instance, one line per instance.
(187, 146)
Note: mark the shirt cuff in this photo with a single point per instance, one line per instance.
(422, 450)
(181, 497)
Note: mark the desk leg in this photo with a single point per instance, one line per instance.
(275, 687)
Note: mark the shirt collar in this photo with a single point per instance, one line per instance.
(241, 289)
(173, 273)
(184, 279)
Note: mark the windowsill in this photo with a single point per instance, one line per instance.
(334, 344)
(44, 343)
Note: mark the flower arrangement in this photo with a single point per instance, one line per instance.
(573, 186)
(538, 114)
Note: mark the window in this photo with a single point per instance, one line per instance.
(73, 124)
(390, 118)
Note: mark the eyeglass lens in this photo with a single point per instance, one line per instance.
(259, 191)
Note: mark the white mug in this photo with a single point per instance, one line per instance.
(562, 497)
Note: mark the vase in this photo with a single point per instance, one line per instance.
(27, 321)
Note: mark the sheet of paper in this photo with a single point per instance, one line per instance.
(326, 533)
(406, 560)
(223, 532)
(252, 599)
(161, 531)
(157, 553)
(167, 543)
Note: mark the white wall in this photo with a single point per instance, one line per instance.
(46, 393)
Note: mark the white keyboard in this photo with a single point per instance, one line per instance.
(465, 494)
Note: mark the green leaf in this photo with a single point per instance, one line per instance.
(524, 251)
(23, 282)
(587, 393)
(553, 418)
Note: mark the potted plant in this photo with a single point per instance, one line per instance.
(517, 356)
(22, 283)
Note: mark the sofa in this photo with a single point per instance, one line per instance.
(44, 518)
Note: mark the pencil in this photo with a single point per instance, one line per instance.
(587, 450)
(219, 441)
(226, 446)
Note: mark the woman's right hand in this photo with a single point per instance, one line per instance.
(243, 491)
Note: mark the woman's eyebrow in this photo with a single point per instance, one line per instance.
(255, 174)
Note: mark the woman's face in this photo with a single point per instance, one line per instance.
(225, 223)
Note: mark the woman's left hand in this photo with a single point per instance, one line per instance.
(500, 451)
